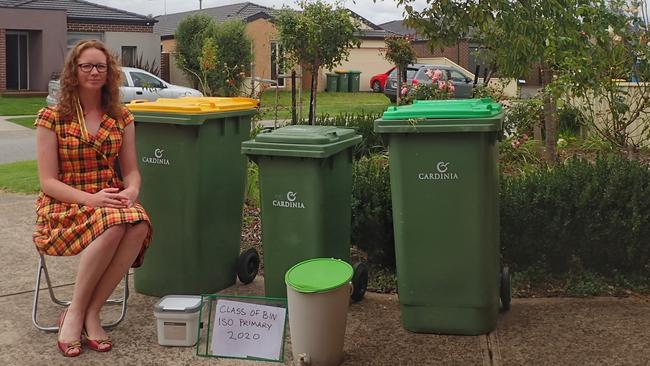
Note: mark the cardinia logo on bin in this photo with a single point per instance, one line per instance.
(157, 158)
(442, 173)
(291, 201)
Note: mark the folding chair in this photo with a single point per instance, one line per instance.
(42, 268)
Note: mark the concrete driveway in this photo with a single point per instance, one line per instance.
(17, 143)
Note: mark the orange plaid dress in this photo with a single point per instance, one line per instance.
(86, 164)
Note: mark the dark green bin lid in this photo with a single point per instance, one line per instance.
(302, 141)
(457, 115)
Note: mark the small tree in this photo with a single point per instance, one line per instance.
(213, 56)
(400, 53)
(234, 56)
(613, 46)
(190, 36)
(516, 35)
(319, 35)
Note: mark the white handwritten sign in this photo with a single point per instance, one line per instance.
(248, 330)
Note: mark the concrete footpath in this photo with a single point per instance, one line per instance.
(17, 143)
(596, 331)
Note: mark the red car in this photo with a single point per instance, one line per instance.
(378, 81)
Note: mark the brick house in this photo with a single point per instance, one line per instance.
(259, 29)
(35, 36)
(267, 53)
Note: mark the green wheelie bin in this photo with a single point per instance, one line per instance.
(443, 158)
(193, 177)
(332, 82)
(354, 80)
(305, 197)
(344, 84)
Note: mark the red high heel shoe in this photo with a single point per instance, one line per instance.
(98, 345)
(68, 349)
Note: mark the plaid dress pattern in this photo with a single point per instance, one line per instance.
(85, 163)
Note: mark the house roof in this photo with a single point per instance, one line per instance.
(374, 33)
(398, 27)
(81, 10)
(365, 21)
(247, 11)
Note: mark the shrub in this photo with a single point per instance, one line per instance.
(522, 116)
(569, 121)
(372, 214)
(578, 216)
(371, 142)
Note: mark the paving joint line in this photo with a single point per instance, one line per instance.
(42, 289)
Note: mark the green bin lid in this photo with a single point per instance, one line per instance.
(457, 115)
(302, 141)
(319, 275)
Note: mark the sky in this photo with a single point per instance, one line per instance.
(378, 12)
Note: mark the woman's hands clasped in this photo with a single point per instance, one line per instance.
(113, 198)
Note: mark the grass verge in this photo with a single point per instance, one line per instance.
(326, 103)
(19, 177)
(24, 121)
(18, 106)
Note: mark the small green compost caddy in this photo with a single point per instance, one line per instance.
(305, 194)
(444, 173)
(193, 178)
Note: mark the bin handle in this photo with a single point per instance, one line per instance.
(207, 104)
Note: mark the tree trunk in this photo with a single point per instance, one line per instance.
(294, 118)
(312, 97)
(537, 131)
(550, 118)
(398, 91)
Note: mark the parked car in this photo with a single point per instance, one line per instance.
(137, 84)
(416, 74)
(378, 81)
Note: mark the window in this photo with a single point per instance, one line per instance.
(75, 37)
(124, 81)
(17, 60)
(457, 76)
(145, 81)
(277, 63)
(128, 55)
(410, 73)
(422, 75)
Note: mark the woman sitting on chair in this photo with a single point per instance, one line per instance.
(84, 205)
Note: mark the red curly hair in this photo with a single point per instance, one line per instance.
(69, 91)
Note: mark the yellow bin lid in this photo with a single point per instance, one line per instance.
(194, 105)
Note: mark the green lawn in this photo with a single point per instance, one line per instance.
(326, 103)
(24, 121)
(20, 177)
(19, 106)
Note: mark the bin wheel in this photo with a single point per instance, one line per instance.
(505, 289)
(248, 265)
(359, 281)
